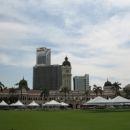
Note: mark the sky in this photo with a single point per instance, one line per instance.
(93, 34)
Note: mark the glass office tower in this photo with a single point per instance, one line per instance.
(43, 56)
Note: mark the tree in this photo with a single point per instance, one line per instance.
(116, 88)
(126, 89)
(97, 90)
(1, 86)
(13, 98)
(65, 90)
(45, 93)
(22, 85)
(87, 94)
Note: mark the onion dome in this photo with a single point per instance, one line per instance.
(107, 83)
(23, 84)
(66, 62)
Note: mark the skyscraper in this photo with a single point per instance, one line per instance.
(52, 77)
(43, 56)
(48, 76)
(81, 83)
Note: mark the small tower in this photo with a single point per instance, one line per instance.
(66, 74)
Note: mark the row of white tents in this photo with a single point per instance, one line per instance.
(34, 104)
(97, 101)
(102, 101)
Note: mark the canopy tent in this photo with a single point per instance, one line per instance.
(64, 104)
(127, 103)
(3, 103)
(33, 104)
(109, 99)
(119, 101)
(102, 101)
(17, 104)
(97, 101)
(52, 103)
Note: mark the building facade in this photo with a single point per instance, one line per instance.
(81, 83)
(43, 56)
(74, 98)
(49, 77)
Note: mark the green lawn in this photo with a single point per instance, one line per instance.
(64, 120)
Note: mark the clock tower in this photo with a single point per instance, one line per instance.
(66, 74)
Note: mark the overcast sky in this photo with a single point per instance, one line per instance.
(94, 34)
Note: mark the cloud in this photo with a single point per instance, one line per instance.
(5, 59)
(93, 34)
(119, 4)
(17, 60)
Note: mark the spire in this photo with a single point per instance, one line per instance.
(66, 58)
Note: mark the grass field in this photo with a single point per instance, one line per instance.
(64, 120)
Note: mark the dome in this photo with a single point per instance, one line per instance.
(66, 62)
(23, 83)
(107, 83)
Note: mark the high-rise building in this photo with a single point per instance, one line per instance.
(81, 83)
(43, 56)
(52, 77)
(49, 76)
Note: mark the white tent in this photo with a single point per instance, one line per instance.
(52, 103)
(97, 101)
(119, 101)
(64, 104)
(18, 104)
(109, 99)
(3, 103)
(33, 104)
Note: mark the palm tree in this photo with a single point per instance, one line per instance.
(116, 88)
(45, 93)
(22, 84)
(87, 94)
(1, 86)
(65, 90)
(97, 90)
